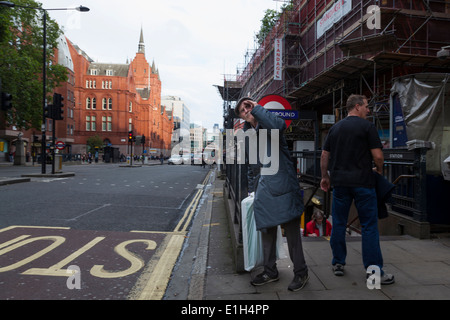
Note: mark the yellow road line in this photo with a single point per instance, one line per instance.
(157, 284)
(191, 214)
(188, 211)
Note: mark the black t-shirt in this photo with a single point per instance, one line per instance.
(349, 143)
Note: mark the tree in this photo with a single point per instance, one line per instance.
(21, 43)
(270, 19)
(267, 23)
(94, 142)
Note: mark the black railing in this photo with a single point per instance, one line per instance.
(406, 169)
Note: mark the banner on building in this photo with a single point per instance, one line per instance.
(278, 62)
(333, 15)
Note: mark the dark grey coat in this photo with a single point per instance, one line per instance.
(278, 198)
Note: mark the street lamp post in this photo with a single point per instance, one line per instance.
(44, 69)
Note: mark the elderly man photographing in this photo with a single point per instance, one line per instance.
(350, 148)
(278, 199)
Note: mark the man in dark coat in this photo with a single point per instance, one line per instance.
(278, 199)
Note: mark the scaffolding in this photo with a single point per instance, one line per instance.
(361, 47)
(320, 69)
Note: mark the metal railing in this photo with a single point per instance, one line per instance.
(406, 169)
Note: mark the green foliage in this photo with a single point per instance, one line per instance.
(270, 20)
(94, 142)
(21, 61)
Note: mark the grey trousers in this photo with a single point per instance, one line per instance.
(294, 242)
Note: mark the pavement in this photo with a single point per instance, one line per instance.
(210, 265)
(421, 267)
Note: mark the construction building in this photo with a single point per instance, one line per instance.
(322, 51)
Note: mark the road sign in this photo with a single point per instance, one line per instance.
(60, 145)
(279, 105)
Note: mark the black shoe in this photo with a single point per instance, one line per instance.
(299, 282)
(338, 270)
(263, 278)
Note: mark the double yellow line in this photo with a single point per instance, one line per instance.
(190, 210)
(155, 286)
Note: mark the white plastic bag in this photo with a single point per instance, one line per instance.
(252, 240)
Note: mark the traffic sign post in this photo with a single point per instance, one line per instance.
(280, 106)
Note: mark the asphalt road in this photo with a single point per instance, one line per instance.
(106, 233)
(103, 197)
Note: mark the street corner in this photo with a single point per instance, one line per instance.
(62, 263)
(8, 180)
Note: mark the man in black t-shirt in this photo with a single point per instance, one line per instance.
(350, 147)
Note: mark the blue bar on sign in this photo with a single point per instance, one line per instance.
(286, 114)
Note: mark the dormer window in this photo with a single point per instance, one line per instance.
(109, 72)
(94, 72)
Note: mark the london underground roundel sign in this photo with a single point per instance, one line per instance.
(280, 106)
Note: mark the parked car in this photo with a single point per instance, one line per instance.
(196, 159)
(175, 159)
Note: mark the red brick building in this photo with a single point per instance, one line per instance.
(113, 99)
(103, 99)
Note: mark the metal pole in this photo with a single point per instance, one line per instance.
(44, 89)
(53, 144)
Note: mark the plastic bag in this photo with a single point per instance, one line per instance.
(252, 240)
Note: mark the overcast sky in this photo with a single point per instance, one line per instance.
(193, 42)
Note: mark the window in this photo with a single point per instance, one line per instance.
(109, 72)
(94, 72)
(88, 103)
(104, 104)
(130, 107)
(94, 103)
(93, 125)
(106, 123)
(130, 124)
(109, 104)
(106, 84)
(90, 123)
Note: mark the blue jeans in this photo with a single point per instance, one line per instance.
(366, 204)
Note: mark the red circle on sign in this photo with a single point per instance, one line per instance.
(275, 98)
(60, 145)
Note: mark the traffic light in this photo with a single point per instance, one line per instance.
(130, 136)
(5, 99)
(57, 106)
(48, 111)
(143, 139)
